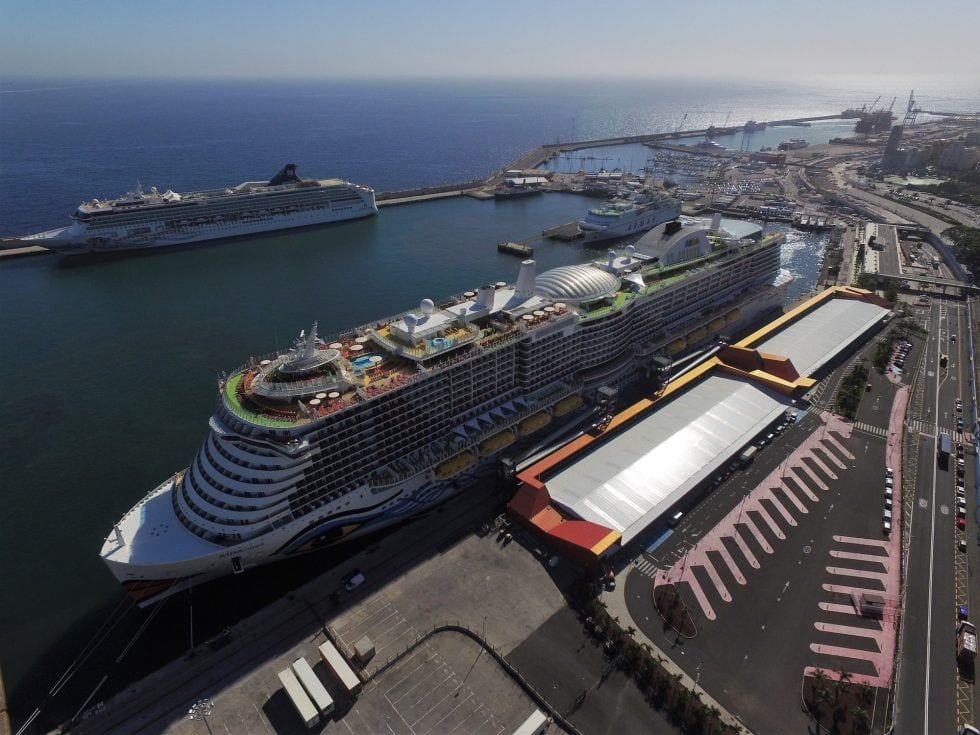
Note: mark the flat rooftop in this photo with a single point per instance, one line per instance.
(817, 338)
(630, 480)
(620, 480)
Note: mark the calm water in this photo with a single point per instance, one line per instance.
(111, 367)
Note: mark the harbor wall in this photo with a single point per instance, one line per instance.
(5, 728)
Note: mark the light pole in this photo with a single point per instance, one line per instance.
(201, 710)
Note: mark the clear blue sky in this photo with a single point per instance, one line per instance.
(350, 38)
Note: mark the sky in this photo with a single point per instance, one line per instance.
(498, 38)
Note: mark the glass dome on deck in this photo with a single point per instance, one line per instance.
(576, 283)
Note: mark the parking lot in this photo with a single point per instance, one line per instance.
(446, 685)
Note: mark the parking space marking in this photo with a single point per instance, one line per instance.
(860, 573)
(863, 542)
(800, 508)
(793, 475)
(832, 441)
(843, 652)
(773, 526)
(811, 478)
(836, 608)
(730, 563)
(873, 558)
(874, 634)
(449, 714)
(822, 466)
(771, 497)
(750, 524)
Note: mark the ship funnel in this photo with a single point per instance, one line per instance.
(630, 252)
(716, 222)
(525, 279)
(611, 258)
(484, 297)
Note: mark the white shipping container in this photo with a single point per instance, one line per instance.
(300, 699)
(341, 669)
(313, 686)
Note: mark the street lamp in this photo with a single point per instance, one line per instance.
(201, 710)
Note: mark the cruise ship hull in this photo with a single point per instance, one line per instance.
(75, 241)
(335, 438)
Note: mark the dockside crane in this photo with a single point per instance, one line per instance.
(911, 111)
(681, 124)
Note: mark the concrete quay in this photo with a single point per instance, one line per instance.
(5, 728)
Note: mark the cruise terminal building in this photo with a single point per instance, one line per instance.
(603, 489)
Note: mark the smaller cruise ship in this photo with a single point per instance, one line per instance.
(141, 220)
(632, 214)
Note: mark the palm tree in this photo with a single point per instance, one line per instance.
(866, 694)
(713, 718)
(862, 720)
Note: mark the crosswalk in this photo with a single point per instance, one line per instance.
(922, 427)
(870, 429)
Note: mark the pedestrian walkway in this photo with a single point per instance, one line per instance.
(768, 512)
(926, 428)
(870, 429)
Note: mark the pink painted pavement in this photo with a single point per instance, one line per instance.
(738, 520)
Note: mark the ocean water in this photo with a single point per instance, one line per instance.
(111, 366)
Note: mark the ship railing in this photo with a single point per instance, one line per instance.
(422, 350)
(443, 448)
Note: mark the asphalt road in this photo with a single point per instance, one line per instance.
(925, 697)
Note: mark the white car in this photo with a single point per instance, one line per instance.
(888, 472)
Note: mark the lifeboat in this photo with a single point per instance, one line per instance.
(454, 465)
(696, 335)
(496, 442)
(715, 324)
(567, 404)
(733, 315)
(534, 422)
(676, 346)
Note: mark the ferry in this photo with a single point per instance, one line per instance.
(630, 214)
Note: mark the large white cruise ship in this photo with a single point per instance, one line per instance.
(338, 436)
(141, 220)
(632, 214)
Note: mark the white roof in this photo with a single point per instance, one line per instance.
(819, 336)
(627, 482)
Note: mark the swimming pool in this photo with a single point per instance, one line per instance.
(364, 362)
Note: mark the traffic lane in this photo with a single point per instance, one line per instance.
(915, 638)
(942, 702)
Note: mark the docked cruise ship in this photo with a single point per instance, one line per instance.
(338, 436)
(630, 215)
(141, 220)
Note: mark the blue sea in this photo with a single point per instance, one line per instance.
(110, 367)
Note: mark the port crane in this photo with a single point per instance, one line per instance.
(910, 111)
